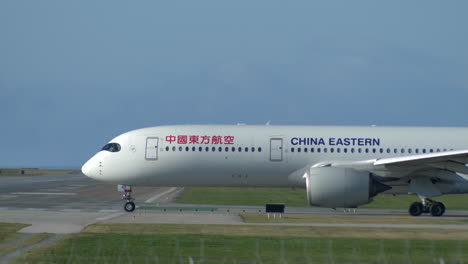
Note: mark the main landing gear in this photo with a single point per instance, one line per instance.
(129, 205)
(427, 206)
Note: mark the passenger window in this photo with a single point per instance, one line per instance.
(367, 150)
(186, 148)
(167, 148)
(395, 151)
(298, 149)
(180, 148)
(305, 150)
(292, 149)
(233, 149)
(410, 150)
(374, 150)
(240, 149)
(325, 150)
(416, 150)
(213, 149)
(431, 150)
(388, 150)
(381, 150)
(332, 150)
(226, 149)
(402, 150)
(424, 150)
(200, 149)
(173, 148)
(193, 148)
(253, 149)
(338, 150)
(359, 150)
(311, 150)
(246, 149)
(207, 149)
(318, 150)
(438, 150)
(345, 150)
(259, 149)
(220, 149)
(352, 150)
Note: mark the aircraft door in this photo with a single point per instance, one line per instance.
(276, 149)
(151, 152)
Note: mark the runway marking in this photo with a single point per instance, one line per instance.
(71, 210)
(104, 218)
(36, 209)
(108, 211)
(41, 193)
(157, 196)
(8, 196)
(68, 187)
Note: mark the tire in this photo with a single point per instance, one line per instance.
(416, 209)
(437, 209)
(129, 207)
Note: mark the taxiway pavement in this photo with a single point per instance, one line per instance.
(67, 203)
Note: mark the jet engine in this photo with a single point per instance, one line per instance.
(341, 187)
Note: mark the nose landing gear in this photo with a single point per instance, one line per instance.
(427, 206)
(129, 205)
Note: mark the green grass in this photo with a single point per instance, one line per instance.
(147, 243)
(34, 172)
(298, 197)
(9, 231)
(351, 219)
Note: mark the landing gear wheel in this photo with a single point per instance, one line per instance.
(437, 209)
(129, 206)
(416, 209)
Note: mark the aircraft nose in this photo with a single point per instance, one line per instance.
(90, 169)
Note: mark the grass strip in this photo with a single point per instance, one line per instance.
(298, 197)
(351, 219)
(32, 240)
(34, 172)
(8, 231)
(276, 231)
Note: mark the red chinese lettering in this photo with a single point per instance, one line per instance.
(216, 140)
(193, 140)
(170, 139)
(205, 140)
(181, 139)
(229, 140)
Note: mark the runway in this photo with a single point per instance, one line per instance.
(67, 203)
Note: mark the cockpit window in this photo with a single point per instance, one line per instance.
(112, 147)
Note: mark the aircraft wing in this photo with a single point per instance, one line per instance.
(450, 159)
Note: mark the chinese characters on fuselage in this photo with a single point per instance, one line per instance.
(197, 139)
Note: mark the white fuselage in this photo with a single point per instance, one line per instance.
(262, 156)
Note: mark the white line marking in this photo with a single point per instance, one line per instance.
(41, 193)
(71, 210)
(108, 211)
(157, 196)
(8, 196)
(36, 209)
(104, 218)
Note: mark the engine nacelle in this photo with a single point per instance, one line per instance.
(341, 187)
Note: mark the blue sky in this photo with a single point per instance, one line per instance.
(74, 74)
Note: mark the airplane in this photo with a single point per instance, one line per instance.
(339, 166)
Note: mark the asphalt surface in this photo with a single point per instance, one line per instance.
(67, 203)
